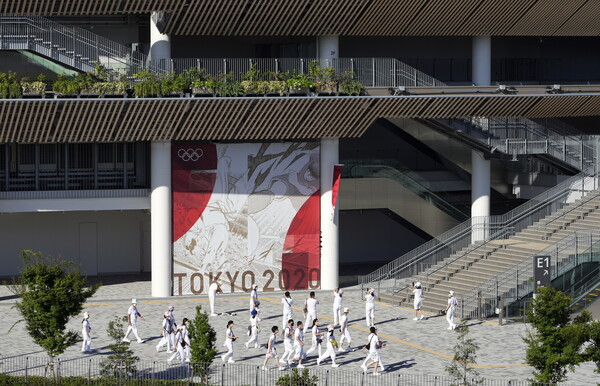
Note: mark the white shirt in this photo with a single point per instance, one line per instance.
(212, 289)
(289, 330)
(272, 341)
(370, 299)
(179, 338)
(166, 325)
(254, 321)
(374, 341)
(298, 334)
(133, 313)
(452, 303)
(287, 305)
(185, 334)
(311, 305)
(228, 334)
(418, 294)
(337, 299)
(171, 318)
(86, 327)
(344, 322)
(253, 296)
(315, 331)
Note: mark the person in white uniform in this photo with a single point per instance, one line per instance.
(166, 332)
(311, 310)
(370, 307)
(272, 350)
(132, 315)
(86, 329)
(368, 358)
(345, 331)
(317, 338)
(331, 344)
(179, 347)
(185, 334)
(337, 306)
(450, 308)
(213, 290)
(299, 354)
(173, 327)
(373, 345)
(254, 329)
(229, 339)
(418, 302)
(288, 342)
(254, 303)
(287, 302)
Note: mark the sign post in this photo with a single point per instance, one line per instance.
(541, 272)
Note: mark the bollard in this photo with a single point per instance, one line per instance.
(501, 313)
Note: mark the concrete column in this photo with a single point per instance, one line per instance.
(482, 60)
(480, 196)
(160, 220)
(329, 216)
(160, 44)
(328, 47)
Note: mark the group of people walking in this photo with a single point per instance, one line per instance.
(176, 338)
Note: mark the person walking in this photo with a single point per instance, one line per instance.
(331, 344)
(337, 306)
(418, 302)
(254, 329)
(132, 315)
(288, 342)
(450, 308)
(254, 303)
(272, 350)
(287, 302)
(311, 310)
(373, 345)
(213, 290)
(86, 329)
(166, 332)
(179, 347)
(345, 331)
(370, 307)
(299, 354)
(229, 339)
(317, 338)
(185, 334)
(173, 327)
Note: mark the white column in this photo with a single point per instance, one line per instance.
(329, 217)
(482, 60)
(160, 44)
(480, 196)
(160, 220)
(328, 47)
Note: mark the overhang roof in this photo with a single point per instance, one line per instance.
(344, 17)
(256, 119)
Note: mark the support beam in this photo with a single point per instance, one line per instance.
(160, 204)
(329, 216)
(480, 196)
(160, 44)
(482, 60)
(328, 47)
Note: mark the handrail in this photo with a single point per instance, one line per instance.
(545, 224)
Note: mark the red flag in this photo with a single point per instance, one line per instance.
(337, 175)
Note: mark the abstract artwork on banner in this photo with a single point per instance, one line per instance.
(245, 214)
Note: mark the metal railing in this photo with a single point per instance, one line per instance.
(517, 281)
(30, 370)
(459, 237)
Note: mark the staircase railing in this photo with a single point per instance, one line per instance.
(517, 281)
(459, 237)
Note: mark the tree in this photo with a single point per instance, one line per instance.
(465, 355)
(297, 379)
(202, 343)
(592, 351)
(122, 361)
(51, 292)
(554, 347)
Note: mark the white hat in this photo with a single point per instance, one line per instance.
(330, 327)
(346, 309)
(451, 293)
(254, 286)
(418, 284)
(167, 314)
(133, 301)
(171, 308)
(340, 292)
(86, 315)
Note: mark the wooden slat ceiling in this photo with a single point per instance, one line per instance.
(343, 17)
(248, 119)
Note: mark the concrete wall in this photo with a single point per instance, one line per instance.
(102, 242)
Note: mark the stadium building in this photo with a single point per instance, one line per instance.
(293, 144)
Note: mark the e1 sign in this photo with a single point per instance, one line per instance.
(541, 271)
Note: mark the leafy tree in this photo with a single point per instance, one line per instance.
(122, 361)
(592, 351)
(51, 292)
(465, 354)
(202, 343)
(554, 347)
(297, 379)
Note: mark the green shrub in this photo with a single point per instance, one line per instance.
(229, 89)
(10, 87)
(121, 362)
(66, 86)
(33, 88)
(297, 379)
(350, 87)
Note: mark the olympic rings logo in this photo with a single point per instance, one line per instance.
(190, 154)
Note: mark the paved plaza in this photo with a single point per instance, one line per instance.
(413, 347)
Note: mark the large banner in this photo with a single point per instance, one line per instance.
(245, 214)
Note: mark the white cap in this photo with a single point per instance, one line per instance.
(167, 314)
(418, 284)
(346, 309)
(86, 315)
(451, 293)
(340, 292)
(254, 286)
(330, 327)
(133, 301)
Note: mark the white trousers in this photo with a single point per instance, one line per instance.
(253, 337)
(370, 357)
(211, 301)
(450, 317)
(370, 314)
(310, 316)
(299, 352)
(337, 313)
(345, 336)
(229, 354)
(132, 328)
(289, 351)
(314, 346)
(87, 343)
(329, 353)
(167, 339)
(179, 353)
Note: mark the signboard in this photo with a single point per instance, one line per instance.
(541, 271)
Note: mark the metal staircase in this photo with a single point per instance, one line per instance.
(72, 46)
